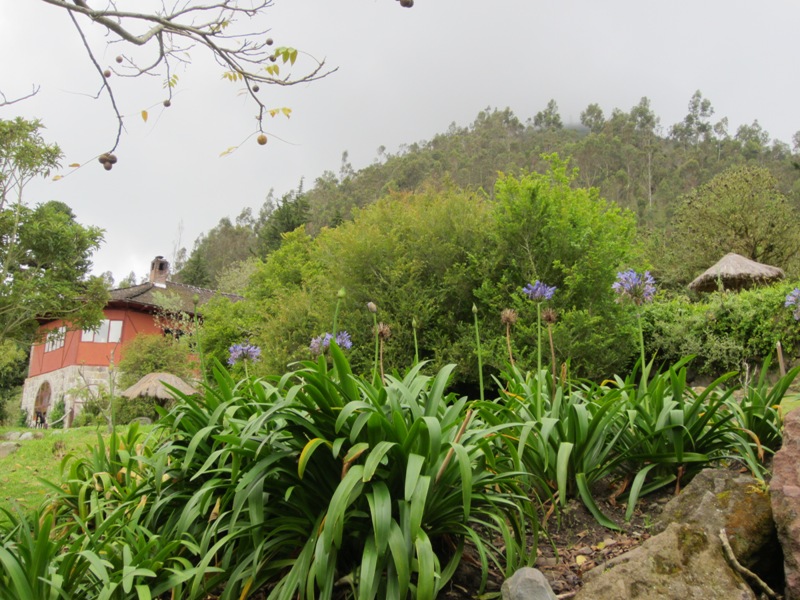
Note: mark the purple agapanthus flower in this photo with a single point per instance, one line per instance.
(635, 287)
(321, 343)
(538, 291)
(343, 340)
(243, 352)
(793, 301)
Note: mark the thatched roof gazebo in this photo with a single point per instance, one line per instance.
(735, 272)
(152, 386)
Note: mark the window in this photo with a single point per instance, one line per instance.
(55, 339)
(108, 332)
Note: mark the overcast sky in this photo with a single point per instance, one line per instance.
(403, 76)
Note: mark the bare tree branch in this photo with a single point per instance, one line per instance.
(103, 78)
(166, 34)
(4, 101)
(245, 55)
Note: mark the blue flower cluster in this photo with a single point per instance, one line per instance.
(793, 302)
(538, 291)
(243, 352)
(635, 287)
(321, 343)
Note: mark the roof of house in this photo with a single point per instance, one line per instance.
(149, 296)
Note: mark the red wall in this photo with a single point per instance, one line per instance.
(75, 352)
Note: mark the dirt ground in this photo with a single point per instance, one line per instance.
(570, 545)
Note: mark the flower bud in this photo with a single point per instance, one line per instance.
(372, 308)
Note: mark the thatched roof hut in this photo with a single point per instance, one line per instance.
(735, 272)
(152, 386)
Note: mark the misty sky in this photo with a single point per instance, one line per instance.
(403, 76)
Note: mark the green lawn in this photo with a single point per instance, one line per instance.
(35, 459)
(790, 402)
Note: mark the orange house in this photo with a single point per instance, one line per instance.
(67, 361)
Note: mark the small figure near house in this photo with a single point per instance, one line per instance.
(39, 422)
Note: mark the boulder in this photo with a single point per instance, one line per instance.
(8, 448)
(785, 495)
(527, 584)
(721, 498)
(683, 562)
(11, 436)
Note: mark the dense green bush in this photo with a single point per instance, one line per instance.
(13, 368)
(94, 410)
(10, 411)
(147, 354)
(724, 330)
(128, 409)
(55, 417)
(425, 258)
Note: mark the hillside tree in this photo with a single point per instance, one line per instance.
(45, 254)
(740, 210)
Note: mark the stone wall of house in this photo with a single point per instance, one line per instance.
(69, 383)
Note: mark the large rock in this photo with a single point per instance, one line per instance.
(720, 498)
(683, 562)
(8, 448)
(11, 436)
(785, 493)
(527, 584)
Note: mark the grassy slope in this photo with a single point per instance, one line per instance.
(20, 472)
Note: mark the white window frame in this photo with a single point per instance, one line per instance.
(55, 339)
(107, 332)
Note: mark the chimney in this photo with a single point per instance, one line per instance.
(159, 271)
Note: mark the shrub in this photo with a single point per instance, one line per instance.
(426, 257)
(128, 409)
(320, 476)
(55, 418)
(92, 413)
(724, 331)
(10, 409)
(155, 354)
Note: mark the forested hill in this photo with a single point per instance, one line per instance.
(633, 158)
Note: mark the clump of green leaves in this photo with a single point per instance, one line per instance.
(723, 330)
(45, 254)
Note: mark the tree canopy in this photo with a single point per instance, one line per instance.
(45, 254)
(740, 210)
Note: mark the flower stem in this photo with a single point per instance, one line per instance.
(478, 347)
(375, 363)
(539, 360)
(416, 345)
(552, 356)
(508, 344)
(642, 358)
(383, 377)
(339, 297)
